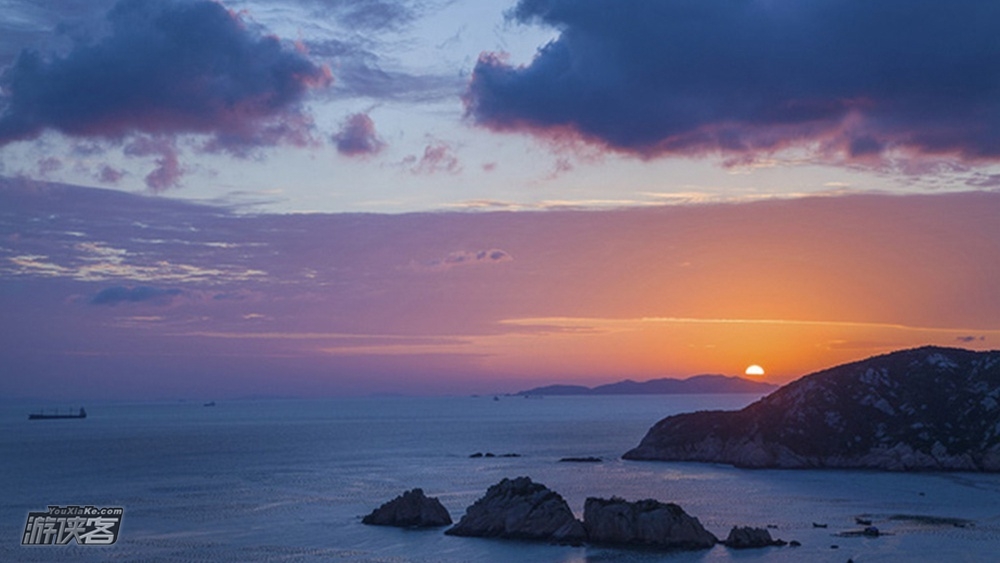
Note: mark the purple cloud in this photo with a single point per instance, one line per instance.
(438, 157)
(848, 79)
(168, 171)
(358, 137)
(467, 258)
(48, 165)
(165, 68)
(110, 175)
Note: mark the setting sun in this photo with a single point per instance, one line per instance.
(754, 370)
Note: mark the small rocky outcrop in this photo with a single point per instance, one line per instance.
(928, 408)
(520, 509)
(745, 537)
(412, 509)
(645, 523)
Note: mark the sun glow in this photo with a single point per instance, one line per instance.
(754, 370)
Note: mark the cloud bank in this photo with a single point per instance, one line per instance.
(165, 68)
(851, 80)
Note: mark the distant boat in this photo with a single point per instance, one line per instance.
(209, 404)
(43, 416)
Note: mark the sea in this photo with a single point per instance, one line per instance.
(290, 480)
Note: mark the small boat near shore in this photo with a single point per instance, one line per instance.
(42, 415)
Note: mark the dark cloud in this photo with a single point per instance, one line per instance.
(358, 137)
(969, 339)
(466, 258)
(120, 294)
(45, 23)
(165, 68)
(846, 78)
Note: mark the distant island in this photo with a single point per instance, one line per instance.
(928, 408)
(697, 384)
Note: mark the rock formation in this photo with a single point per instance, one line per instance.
(645, 523)
(743, 537)
(928, 408)
(521, 509)
(410, 510)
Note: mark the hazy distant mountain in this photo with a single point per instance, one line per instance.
(928, 408)
(664, 386)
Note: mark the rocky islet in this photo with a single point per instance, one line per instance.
(412, 509)
(522, 509)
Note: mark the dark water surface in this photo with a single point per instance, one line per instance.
(290, 480)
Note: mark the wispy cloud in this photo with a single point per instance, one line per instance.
(438, 157)
(616, 324)
(97, 270)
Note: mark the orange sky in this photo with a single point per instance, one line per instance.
(482, 302)
(794, 286)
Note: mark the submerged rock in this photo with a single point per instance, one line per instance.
(645, 523)
(520, 509)
(410, 510)
(928, 408)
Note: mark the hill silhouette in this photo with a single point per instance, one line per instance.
(708, 383)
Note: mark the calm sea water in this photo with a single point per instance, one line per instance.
(290, 481)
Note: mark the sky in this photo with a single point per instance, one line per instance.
(346, 197)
